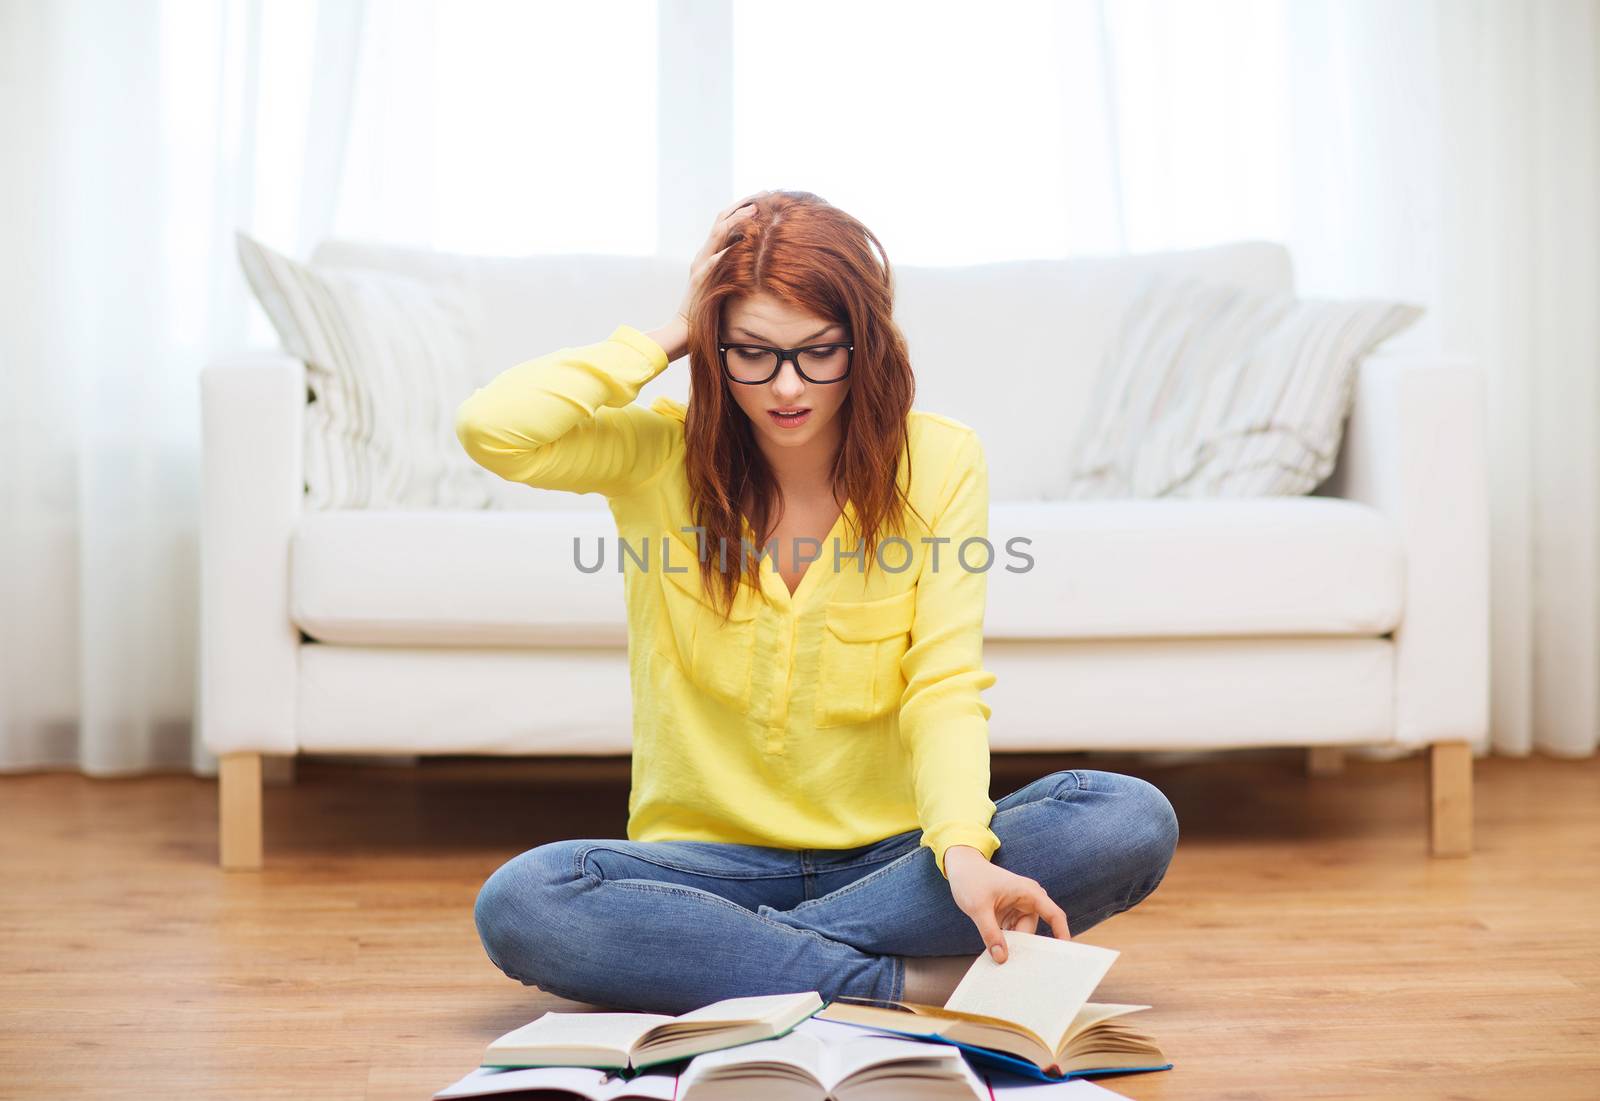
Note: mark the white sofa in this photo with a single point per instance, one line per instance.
(1354, 616)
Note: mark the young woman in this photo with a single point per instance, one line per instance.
(805, 581)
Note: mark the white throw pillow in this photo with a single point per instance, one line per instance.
(1210, 390)
(388, 359)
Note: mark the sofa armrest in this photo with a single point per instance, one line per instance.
(252, 487)
(1415, 449)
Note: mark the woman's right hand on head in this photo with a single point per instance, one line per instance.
(714, 247)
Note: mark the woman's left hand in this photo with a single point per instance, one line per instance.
(996, 899)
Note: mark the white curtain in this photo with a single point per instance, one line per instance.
(1438, 150)
(1449, 152)
(136, 136)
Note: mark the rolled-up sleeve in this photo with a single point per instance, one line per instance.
(568, 420)
(943, 720)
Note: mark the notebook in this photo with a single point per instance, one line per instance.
(633, 1041)
(1029, 1015)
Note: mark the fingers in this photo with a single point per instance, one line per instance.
(708, 255)
(1055, 915)
(744, 213)
(994, 941)
(733, 213)
(748, 200)
(1027, 911)
(1024, 919)
(1017, 905)
(703, 268)
(719, 233)
(699, 272)
(726, 219)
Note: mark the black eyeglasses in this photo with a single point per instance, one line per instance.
(754, 364)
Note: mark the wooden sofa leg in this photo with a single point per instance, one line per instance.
(1324, 760)
(1450, 798)
(239, 810)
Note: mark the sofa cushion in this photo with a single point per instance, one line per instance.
(1211, 390)
(468, 578)
(1099, 569)
(387, 360)
(1268, 566)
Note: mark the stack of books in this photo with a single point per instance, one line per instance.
(1006, 1027)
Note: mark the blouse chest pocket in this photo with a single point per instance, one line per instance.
(859, 660)
(715, 656)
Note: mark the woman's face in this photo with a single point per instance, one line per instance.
(763, 319)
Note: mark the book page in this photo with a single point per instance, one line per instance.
(849, 1050)
(794, 1048)
(593, 1084)
(880, 1017)
(769, 1008)
(1041, 986)
(1002, 1086)
(1093, 1013)
(609, 1031)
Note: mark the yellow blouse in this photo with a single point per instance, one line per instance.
(829, 719)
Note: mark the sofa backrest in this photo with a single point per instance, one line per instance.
(1010, 348)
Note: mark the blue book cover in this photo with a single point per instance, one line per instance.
(999, 1060)
(1040, 995)
(1040, 991)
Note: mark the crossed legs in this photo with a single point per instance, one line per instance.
(668, 926)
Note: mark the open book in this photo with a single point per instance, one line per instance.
(820, 1060)
(636, 1040)
(861, 1065)
(568, 1083)
(1031, 1014)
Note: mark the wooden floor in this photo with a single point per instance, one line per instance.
(1302, 945)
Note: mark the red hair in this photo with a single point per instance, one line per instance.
(815, 258)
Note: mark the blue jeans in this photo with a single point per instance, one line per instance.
(669, 926)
